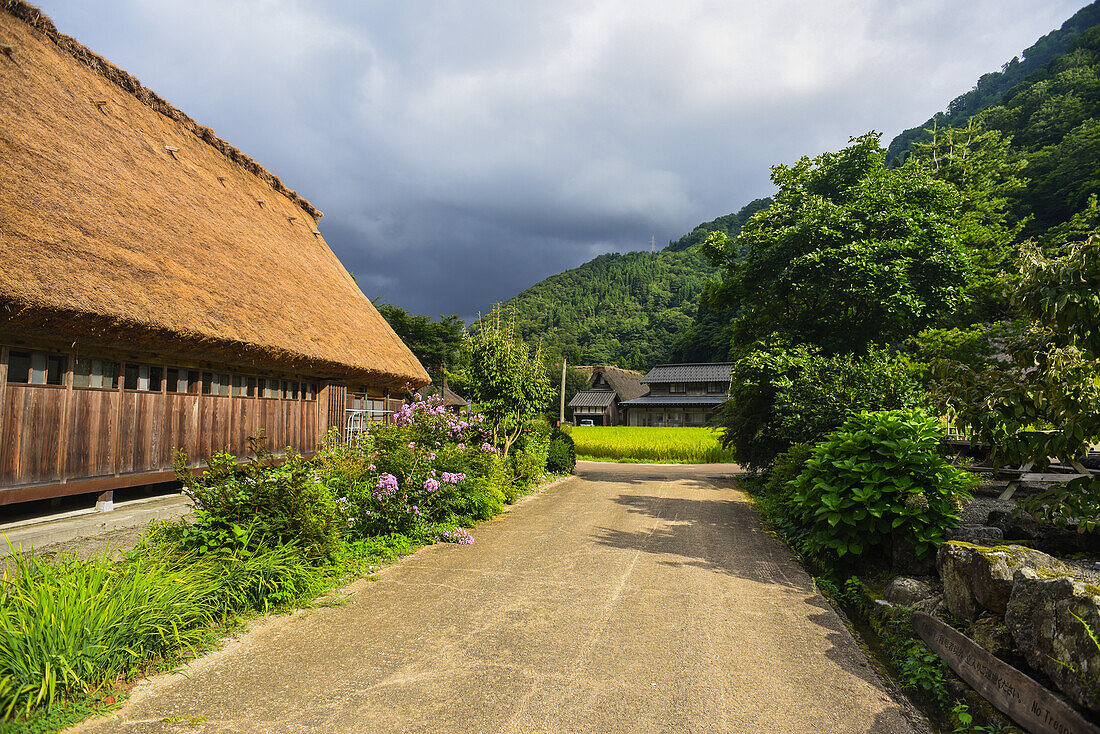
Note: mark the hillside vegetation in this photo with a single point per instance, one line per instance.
(628, 309)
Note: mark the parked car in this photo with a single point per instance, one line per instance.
(587, 422)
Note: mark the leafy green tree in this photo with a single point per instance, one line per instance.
(502, 375)
(437, 344)
(783, 395)
(853, 253)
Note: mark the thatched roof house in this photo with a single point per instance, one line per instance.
(122, 219)
(130, 232)
(608, 388)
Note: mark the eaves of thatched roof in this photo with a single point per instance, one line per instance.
(124, 221)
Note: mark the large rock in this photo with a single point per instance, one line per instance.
(907, 591)
(1047, 617)
(977, 577)
(981, 534)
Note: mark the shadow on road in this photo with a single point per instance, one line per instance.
(723, 536)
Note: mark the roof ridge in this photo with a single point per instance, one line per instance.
(39, 21)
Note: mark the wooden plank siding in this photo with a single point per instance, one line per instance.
(57, 439)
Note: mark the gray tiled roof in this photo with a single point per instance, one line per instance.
(676, 400)
(691, 372)
(592, 399)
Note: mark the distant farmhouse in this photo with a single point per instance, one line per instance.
(608, 388)
(448, 398)
(681, 394)
(160, 289)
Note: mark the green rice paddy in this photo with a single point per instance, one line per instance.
(655, 445)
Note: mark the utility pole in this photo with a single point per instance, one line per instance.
(561, 417)
(653, 244)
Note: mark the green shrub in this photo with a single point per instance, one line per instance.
(786, 469)
(479, 499)
(273, 505)
(783, 395)
(561, 456)
(878, 476)
(528, 458)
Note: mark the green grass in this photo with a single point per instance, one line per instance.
(656, 445)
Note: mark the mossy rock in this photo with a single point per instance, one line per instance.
(977, 577)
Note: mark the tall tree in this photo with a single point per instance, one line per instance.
(853, 252)
(504, 377)
(437, 344)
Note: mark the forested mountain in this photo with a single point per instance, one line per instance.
(620, 309)
(992, 88)
(641, 308)
(628, 309)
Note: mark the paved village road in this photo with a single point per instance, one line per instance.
(633, 598)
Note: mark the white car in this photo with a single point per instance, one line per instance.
(587, 422)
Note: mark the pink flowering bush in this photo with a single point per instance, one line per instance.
(423, 468)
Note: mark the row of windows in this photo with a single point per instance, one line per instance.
(696, 388)
(675, 419)
(41, 368)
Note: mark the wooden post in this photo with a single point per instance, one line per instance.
(561, 416)
(105, 502)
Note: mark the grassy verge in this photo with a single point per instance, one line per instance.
(74, 635)
(656, 445)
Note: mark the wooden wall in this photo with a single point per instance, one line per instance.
(57, 439)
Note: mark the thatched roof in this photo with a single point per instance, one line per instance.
(626, 383)
(122, 220)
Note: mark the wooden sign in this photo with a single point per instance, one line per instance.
(1028, 704)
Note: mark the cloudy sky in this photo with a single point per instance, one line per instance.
(464, 150)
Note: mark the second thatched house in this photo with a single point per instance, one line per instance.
(608, 388)
(160, 289)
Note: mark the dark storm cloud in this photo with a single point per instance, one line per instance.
(462, 151)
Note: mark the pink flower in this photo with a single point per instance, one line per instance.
(431, 484)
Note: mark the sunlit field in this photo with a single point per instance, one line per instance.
(658, 445)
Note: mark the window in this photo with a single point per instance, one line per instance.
(696, 419)
(309, 391)
(207, 383)
(240, 385)
(222, 383)
(19, 366)
(194, 382)
(677, 388)
(250, 390)
(95, 373)
(131, 374)
(56, 367)
(267, 388)
(294, 390)
(173, 382)
(716, 388)
(156, 378)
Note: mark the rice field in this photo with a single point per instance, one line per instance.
(656, 445)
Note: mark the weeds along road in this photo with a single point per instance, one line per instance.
(632, 598)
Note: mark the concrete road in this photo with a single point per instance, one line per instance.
(633, 598)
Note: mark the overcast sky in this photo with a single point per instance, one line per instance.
(463, 150)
